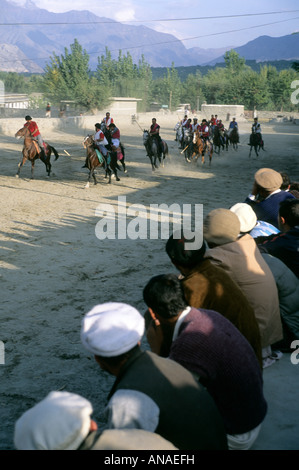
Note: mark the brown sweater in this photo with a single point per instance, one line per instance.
(210, 287)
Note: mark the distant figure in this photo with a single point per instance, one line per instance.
(48, 110)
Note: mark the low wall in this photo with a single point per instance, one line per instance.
(224, 112)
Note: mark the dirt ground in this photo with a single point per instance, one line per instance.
(53, 267)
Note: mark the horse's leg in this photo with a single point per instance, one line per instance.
(22, 162)
(32, 169)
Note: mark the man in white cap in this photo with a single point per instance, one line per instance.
(150, 392)
(62, 421)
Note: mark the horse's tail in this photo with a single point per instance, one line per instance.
(55, 152)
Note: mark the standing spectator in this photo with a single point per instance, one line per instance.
(150, 392)
(215, 351)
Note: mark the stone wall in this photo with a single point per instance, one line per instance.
(224, 112)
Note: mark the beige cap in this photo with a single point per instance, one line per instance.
(221, 226)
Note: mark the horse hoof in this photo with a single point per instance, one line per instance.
(117, 179)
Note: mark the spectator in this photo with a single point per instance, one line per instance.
(62, 421)
(210, 346)
(150, 392)
(267, 195)
(240, 257)
(285, 245)
(250, 224)
(286, 282)
(209, 287)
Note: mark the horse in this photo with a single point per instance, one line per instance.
(200, 147)
(187, 144)
(31, 151)
(219, 140)
(95, 159)
(153, 150)
(233, 138)
(256, 142)
(120, 152)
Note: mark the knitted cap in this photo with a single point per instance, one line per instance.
(268, 179)
(246, 216)
(221, 226)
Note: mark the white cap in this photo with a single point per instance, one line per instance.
(111, 329)
(59, 422)
(246, 216)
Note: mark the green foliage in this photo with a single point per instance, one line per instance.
(68, 77)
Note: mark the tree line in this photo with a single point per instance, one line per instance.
(68, 77)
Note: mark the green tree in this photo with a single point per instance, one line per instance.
(234, 63)
(68, 78)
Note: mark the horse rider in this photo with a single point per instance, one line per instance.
(195, 126)
(233, 125)
(221, 128)
(35, 133)
(155, 133)
(100, 142)
(256, 129)
(115, 135)
(204, 132)
(107, 120)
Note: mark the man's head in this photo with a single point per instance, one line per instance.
(288, 214)
(61, 421)
(221, 226)
(110, 331)
(267, 181)
(112, 126)
(107, 115)
(255, 119)
(164, 295)
(154, 120)
(234, 118)
(285, 181)
(195, 120)
(28, 118)
(182, 258)
(97, 126)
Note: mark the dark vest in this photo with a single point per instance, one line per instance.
(188, 415)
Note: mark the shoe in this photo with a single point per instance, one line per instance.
(276, 355)
(268, 361)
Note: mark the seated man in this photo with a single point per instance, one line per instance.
(209, 345)
(150, 392)
(266, 195)
(285, 245)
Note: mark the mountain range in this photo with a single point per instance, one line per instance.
(28, 46)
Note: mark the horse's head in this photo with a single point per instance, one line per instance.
(24, 132)
(145, 136)
(88, 141)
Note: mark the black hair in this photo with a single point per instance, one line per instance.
(289, 210)
(175, 248)
(164, 294)
(285, 181)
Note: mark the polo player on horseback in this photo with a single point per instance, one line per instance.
(35, 134)
(155, 133)
(257, 130)
(204, 133)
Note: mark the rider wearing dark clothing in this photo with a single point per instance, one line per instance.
(155, 133)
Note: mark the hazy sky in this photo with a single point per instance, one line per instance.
(205, 33)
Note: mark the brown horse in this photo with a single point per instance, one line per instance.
(31, 151)
(200, 147)
(93, 161)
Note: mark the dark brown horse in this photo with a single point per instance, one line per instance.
(31, 151)
(200, 148)
(94, 159)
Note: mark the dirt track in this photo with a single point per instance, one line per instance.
(54, 268)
